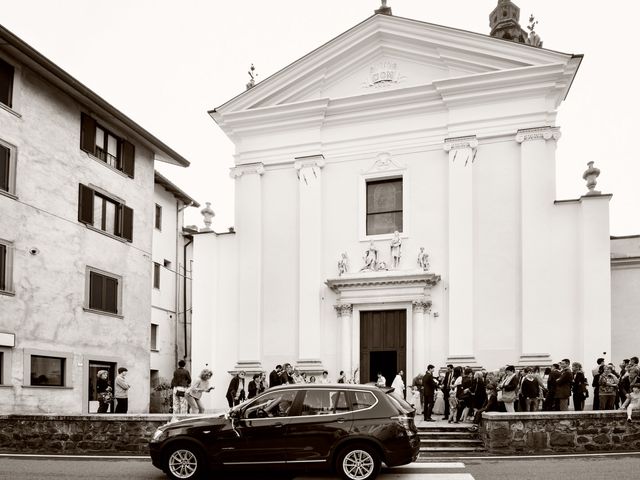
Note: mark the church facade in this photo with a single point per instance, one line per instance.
(395, 207)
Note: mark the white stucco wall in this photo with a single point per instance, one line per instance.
(533, 272)
(46, 312)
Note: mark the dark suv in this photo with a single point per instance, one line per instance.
(348, 428)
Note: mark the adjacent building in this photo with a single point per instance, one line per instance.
(170, 330)
(77, 213)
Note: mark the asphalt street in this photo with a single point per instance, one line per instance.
(620, 467)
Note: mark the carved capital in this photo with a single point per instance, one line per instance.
(421, 306)
(237, 172)
(541, 133)
(344, 309)
(309, 162)
(458, 143)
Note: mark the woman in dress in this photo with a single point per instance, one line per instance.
(104, 391)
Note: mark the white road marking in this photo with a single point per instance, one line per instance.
(544, 456)
(423, 465)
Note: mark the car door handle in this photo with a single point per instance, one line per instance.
(278, 425)
(341, 420)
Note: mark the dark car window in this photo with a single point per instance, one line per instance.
(324, 402)
(363, 400)
(273, 404)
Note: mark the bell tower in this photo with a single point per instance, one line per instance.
(504, 22)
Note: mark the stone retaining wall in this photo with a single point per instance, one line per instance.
(559, 432)
(78, 434)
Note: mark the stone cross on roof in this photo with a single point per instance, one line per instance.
(383, 10)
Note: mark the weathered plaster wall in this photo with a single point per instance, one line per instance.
(559, 432)
(46, 313)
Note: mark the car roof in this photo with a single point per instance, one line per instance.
(342, 386)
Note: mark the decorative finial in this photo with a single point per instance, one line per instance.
(383, 10)
(533, 39)
(208, 214)
(253, 76)
(590, 175)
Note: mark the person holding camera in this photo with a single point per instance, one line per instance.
(179, 383)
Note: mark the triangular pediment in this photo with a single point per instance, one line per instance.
(386, 53)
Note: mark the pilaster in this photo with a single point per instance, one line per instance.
(462, 152)
(249, 227)
(537, 194)
(345, 318)
(421, 309)
(309, 173)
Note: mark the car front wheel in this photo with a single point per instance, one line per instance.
(358, 462)
(185, 462)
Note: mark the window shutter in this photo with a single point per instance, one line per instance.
(111, 295)
(85, 205)
(96, 287)
(87, 134)
(128, 158)
(6, 82)
(127, 223)
(4, 168)
(3, 267)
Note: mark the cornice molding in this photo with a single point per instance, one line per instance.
(622, 263)
(352, 281)
(539, 133)
(239, 170)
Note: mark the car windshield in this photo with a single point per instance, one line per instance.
(400, 404)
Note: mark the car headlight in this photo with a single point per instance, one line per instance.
(159, 435)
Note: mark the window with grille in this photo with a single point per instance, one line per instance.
(106, 146)
(384, 206)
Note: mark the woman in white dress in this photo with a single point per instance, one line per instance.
(398, 385)
(415, 400)
(438, 405)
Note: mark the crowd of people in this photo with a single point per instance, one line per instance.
(457, 393)
(460, 393)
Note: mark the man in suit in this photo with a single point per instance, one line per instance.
(446, 386)
(549, 400)
(274, 376)
(428, 387)
(563, 386)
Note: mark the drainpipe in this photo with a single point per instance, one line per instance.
(177, 274)
(184, 293)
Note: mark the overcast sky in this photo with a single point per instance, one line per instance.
(165, 63)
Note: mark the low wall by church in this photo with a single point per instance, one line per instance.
(79, 434)
(559, 432)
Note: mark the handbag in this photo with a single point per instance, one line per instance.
(105, 397)
(179, 393)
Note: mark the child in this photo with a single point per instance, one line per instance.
(415, 399)
(633, 401)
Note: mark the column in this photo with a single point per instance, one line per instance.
(249, 236)
(420, 308)
(309, 172)
(595, 259)
(345, 318)
(462, 152)
(537, 196)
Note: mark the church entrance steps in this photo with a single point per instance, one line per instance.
(441, 438)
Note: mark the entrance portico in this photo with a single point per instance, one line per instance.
(373, 299)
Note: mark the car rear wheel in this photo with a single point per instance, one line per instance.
(358, 462)
(185, 462)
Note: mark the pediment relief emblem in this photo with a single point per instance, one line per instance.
(384, 163)
(383, 74)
